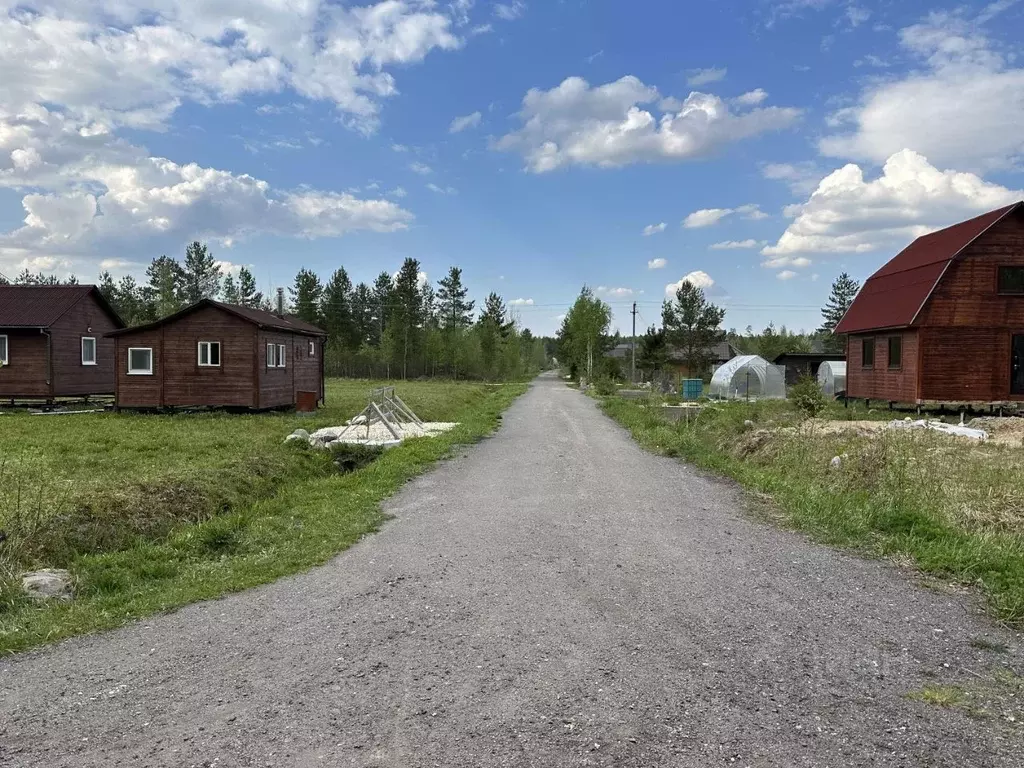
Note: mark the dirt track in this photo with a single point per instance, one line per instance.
(557, 597)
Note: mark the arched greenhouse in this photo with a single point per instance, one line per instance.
(748, 377)
(832, 377)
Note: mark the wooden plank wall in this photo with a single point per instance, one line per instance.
(882, 382)
(25, 374)
(70, 377)
(138, 391)
(967, 325)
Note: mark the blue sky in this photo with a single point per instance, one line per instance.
(763, 147)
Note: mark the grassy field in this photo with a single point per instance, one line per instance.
(951, 507)
(150, 512)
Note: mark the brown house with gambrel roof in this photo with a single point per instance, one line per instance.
(220, 356)
(53, 342)
(943, 322)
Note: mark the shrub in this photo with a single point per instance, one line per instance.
(605, 386)
(807, 396)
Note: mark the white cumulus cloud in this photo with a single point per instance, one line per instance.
(708, 217)
(521, 303)
(699, 77)
(657, 263)
(605, 126)
(510, 11)
(850, 214)
(653, 229)
(736, 245)
(698, 278)
(615, 293)
(459, 124)
(786, 274)
(964, 107)
(421, 168)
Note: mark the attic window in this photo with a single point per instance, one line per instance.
(1011, 280)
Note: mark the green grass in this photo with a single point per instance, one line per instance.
(939, 695)
(955, 510)
(152, 512)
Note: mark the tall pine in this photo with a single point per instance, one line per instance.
(336, 310)
(200, 274)
(407, 315)
(305, 295)
(844, 291)
(165, 291)
(454, 316)
(692, 327)
(248, 296)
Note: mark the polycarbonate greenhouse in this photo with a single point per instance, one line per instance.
(832, 377)
(748, 377)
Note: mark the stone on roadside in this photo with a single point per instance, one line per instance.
(748, 423)
(47, 584)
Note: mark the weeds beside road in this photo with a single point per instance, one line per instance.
(152, 512)
(952, 507)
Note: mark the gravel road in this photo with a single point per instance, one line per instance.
(555, 597)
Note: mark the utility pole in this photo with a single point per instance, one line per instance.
(632, 372)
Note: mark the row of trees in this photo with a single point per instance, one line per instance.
(403, 326)
(691, 326)
(398, 326)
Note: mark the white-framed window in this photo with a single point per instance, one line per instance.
(312, 349)
(280, 356)
(3, 350)
(271, 355)
(88, 350)
(209, 354)
(140, 361)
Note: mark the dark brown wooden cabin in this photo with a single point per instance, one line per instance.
(53, 342)
(943, 322)
(220, 356)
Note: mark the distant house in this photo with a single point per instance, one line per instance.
(720, 352)
(943, 321)
(53, 342)
(220, 356)
(801, 364)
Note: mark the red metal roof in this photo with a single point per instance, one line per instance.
(40, 306)
(255, 316)
(895, 294)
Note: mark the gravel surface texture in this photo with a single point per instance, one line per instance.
(554, 597)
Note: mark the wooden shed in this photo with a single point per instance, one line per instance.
(53, 342)
(943, 322)
(220, 356)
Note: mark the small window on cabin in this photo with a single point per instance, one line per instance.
(280, 356)
(209, 354)
(867, 359)
(895, 351)
(312, 349)
(271, 356)
(88, 350)
(140, 361)
(3, 350)
(1011, 280)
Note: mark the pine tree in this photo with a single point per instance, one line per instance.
(108, 289)
(407, 315)
(454, 315)
(691, 325)
(305, 295)
(201, 275)
(229, 290)
(336, 310)
(383, 289)
(362, 315)
(165, 290)
(248, 296)
(131, 303)
(844, 291)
